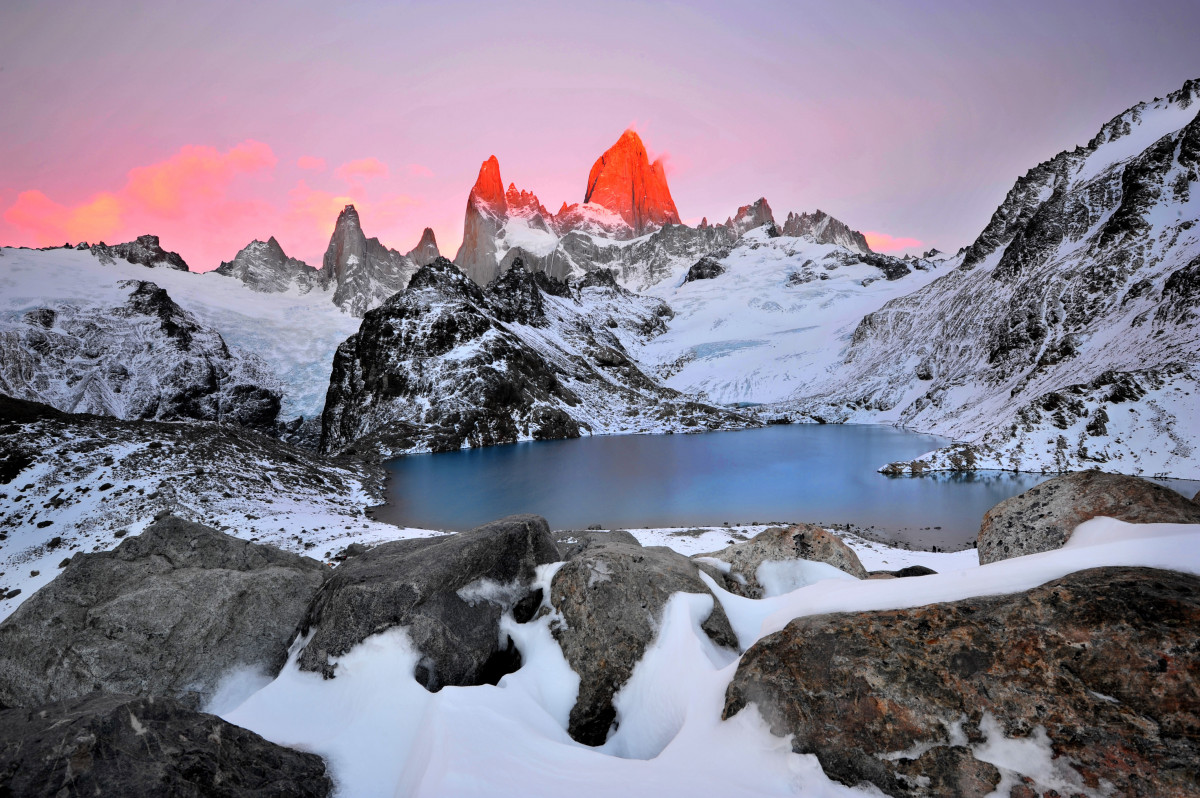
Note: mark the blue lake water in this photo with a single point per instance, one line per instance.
(804, 472)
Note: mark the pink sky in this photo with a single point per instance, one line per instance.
(216, 123)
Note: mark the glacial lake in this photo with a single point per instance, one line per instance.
(815, 473)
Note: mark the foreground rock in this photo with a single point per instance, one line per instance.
(448, 592)
(121, 745)
(1043, 518)
(1104, 662)
(778, 544)
(167, 613)
(611, 595)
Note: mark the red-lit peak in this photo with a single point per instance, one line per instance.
(624, 181)
(524, 203)
(489, 188)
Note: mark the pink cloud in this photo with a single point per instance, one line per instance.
(362, 169)
(311, 163)
(51, 223)
(417, 170)
(194, 174)
(882, 242)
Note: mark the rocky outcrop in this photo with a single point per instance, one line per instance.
(264, 266)
(610, 596)
(448, 593)
(1070, 290)
(1043, 518)
(362, 271)
(486, 213)
(752, 216)
(706, 268)
(824, 229)
(779, 544)
(147, 358)
(106, 744)
(1099, 668)
(624, 181)
(166, 613)
(145, 251)
(426, 250)
(447, 364)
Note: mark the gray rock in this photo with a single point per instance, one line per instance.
(363, 271)
(611, 596)
(166, 613)
(1103, 661)
(111, 744)
(572, 544)
(145, 251)
(707, 268)
(264, 266)
(419, 584)
(1043, 518)
(798, 542)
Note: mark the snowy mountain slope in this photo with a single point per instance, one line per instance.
(144, 358)
(80, 483)
(780, 314)
(295, 334)
(1084, 280)
(447, 364)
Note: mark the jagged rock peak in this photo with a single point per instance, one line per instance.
(426, 251)
(264, 266)
(489, 188)
(364, 270)
(524, 203)
(824, 229)
(624, 181)
(754, 215)
(145, 251)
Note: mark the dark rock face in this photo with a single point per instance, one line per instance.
(752, 216)
(824, 229)
(105, 744)
(611, 595)
(1104, 661)
(449, 592)
(704, 269)
(145, 251)
(426, 250)
(166, 613)
(798, 542)
(263, 266)
(447, 364)
(1043, 518)
(363, 271)
(145, 359)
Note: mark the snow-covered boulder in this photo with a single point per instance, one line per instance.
(167, 613)
(610, 597)
(1059, 682)
(776, 548)
(448, 592)
(1043, 518)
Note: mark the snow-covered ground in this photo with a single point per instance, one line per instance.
(295, 334)
(780, 316)
(383, 734)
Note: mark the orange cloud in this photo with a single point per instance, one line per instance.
(317, 208)
(362, 169)
(311, 163)
(882, 242)
(52, 223)
(193, 173)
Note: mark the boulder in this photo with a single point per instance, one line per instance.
(111, 744)
(1043, 518)
(610, 596)
(797, 542)
(1100, 667)
(707, 268)
(166, 613)
(450, 592)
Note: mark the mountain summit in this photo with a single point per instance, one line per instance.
(624, 181)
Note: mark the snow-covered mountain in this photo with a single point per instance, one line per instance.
(1067, 337)
(263, 266)
(292, 333)
(143, 357)
(447, 364)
